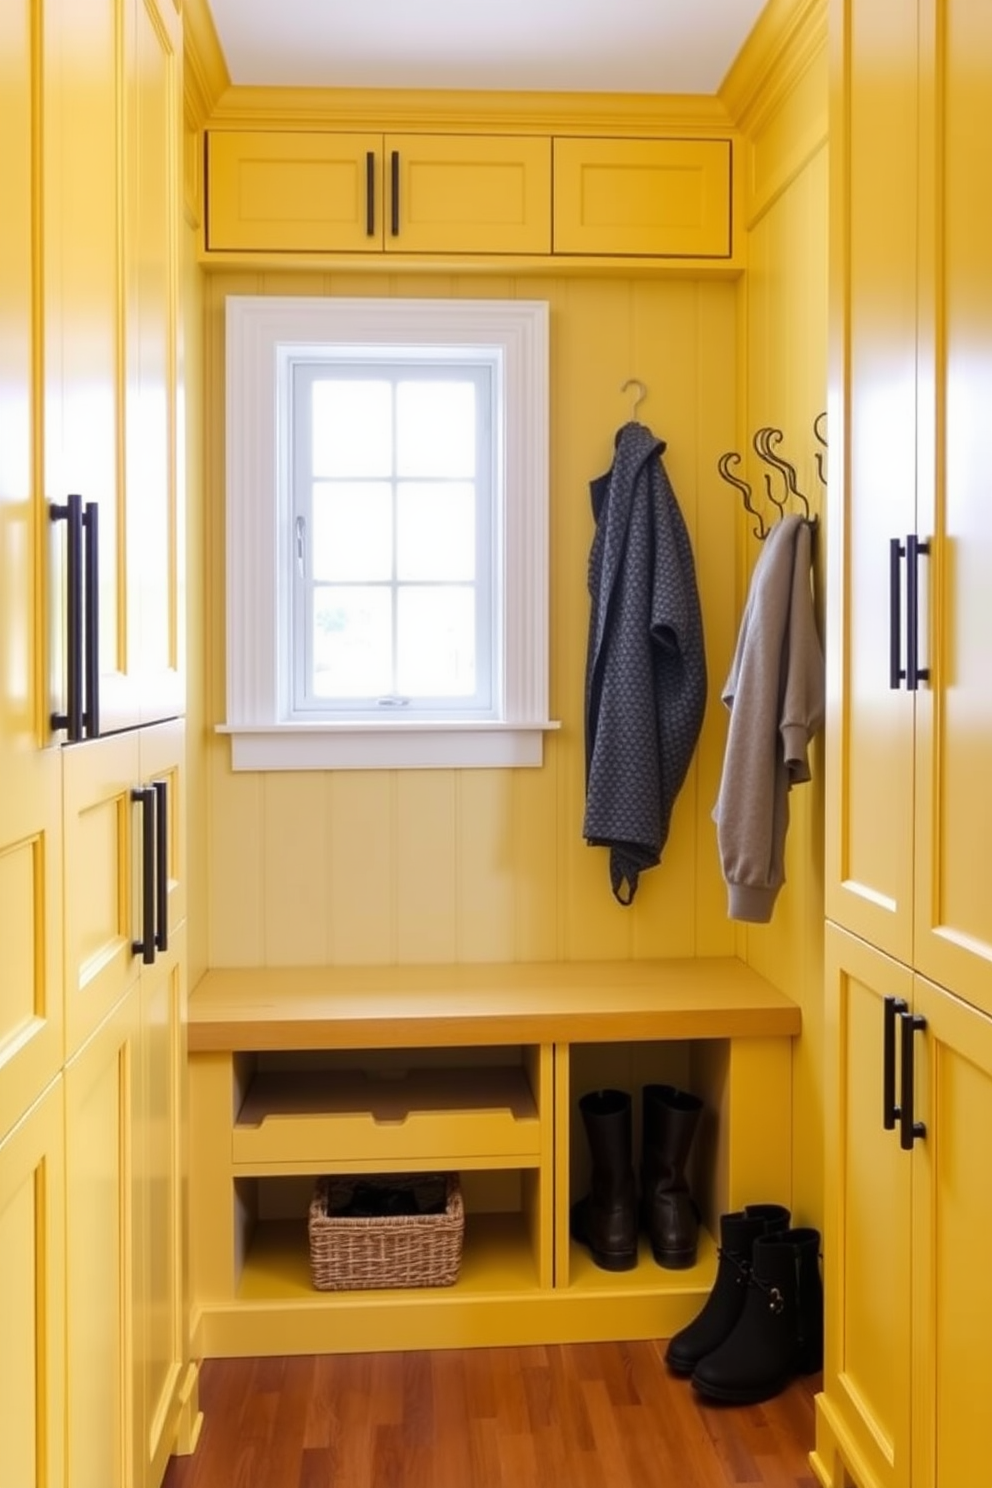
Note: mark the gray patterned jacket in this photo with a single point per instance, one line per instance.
(646, 667)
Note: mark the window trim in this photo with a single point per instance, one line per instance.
(259, 329)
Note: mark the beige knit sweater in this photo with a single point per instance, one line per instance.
(775, 694)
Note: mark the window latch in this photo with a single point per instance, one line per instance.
(301, 535)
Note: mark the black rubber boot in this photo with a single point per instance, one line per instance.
(606, 1220)
(668, 1213)
(780, 1331)
(725, 1303)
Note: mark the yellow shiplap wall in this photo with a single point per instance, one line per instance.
(778, 94)
(490, 865)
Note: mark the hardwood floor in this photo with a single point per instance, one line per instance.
(577, 1416)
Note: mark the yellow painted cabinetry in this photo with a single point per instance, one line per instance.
(326, 192)
(909, 1309)
(316, 192)
(655, 198)
(110, 179)
(909, 795)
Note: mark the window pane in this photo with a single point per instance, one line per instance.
(435, 428)
(352, 642)
(435, 531)
(352, 531)
(352, 427)
(436, 642)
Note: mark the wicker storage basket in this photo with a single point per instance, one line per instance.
(348, 1253)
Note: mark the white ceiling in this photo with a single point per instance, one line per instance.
(600, 46)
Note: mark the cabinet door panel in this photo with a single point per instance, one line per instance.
(154, 548)
(82, 312)
(30, 822)
(953, 926)
(102, 826)
(658, 197)
(867, 1241)
(293, 191)
(952, 1197)
(869, 822)
(100, 1135)
(470, 194)
(163, 758)
(32, 1297)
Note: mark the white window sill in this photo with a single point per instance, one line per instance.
(386, 746)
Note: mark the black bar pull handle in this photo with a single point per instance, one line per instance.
(146, 945)
(894, 1006)
(72, 719)
(394, 192)
(910, 1128)
(896, 555)
(91, 622)
(370, 193)
(915, 674)
(161, 789)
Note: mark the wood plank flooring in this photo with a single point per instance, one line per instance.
(606, 1415)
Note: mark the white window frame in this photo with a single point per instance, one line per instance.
(263, 334)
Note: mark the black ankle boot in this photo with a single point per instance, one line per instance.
(780, 1331)
(667, 1212)
(725, 1303)
(606, 1220)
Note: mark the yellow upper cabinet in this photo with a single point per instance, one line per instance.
(658, 198)
(909, 815)
(357, 193)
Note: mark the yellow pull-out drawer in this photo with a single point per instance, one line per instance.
(344, 1119)
(659, 198)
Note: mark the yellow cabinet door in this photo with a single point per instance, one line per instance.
(357, 193)
(102, 1385)
(152, 196)
(32, 1297)
(873, 471)
(160, 1231)
(30, 813)
(952, 1201)
(102, 848)
(83, 321)
(467, 194)
(953, 921)
(663, 198)
(162, 766)
(867, 1244)
(294, 192)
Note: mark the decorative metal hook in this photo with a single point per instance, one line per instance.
(821, 418)
(642, 392)
(764, 439)
(760, 532)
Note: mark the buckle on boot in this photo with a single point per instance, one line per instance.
(776, 1302)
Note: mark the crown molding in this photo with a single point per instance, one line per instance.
(205, 74)
(411, 110)
(786, 37)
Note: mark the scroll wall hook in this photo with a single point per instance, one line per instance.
(641, 394)
(820, 422)
(763, 442)
(723, 464)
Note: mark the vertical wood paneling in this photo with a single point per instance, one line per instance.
(491, 865)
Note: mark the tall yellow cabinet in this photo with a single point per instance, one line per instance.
(94, 1382)
(909, 791)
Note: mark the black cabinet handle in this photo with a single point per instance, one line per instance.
(370, 194)
(394, 192)
(910, 1129)
(146, 945)
(91, 628)
(915, 674)
(161, 789)
(894, 1006)
(72, 719)
(896, 554)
